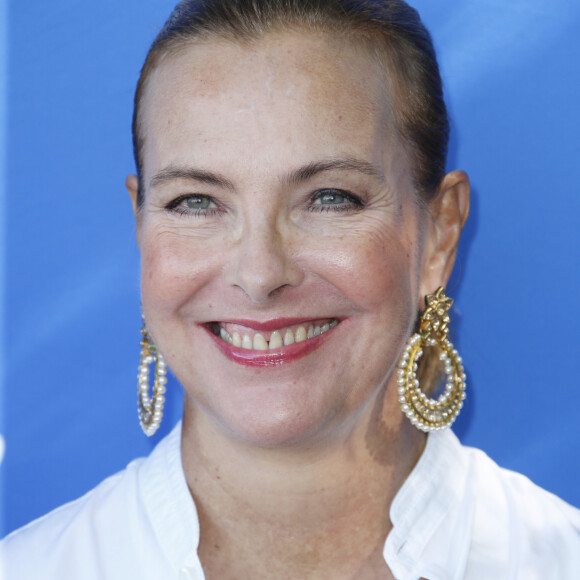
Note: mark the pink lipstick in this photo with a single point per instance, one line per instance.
(269, 357)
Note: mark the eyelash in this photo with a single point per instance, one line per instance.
(351, 203)
(176, 207)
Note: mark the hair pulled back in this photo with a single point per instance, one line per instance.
(391, 27)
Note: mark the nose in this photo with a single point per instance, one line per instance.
(264, 262)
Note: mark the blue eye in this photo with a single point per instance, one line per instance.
(197, 202)
(196, 205)
(331, 198)
(334, 200)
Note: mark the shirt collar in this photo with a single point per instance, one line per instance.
(432, 515)
(169, 504)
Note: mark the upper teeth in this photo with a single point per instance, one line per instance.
(278, 338)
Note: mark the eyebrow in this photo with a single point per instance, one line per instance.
(190, 173)
(296, 177)
(345, 164)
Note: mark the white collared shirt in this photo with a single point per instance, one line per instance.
(458, 516)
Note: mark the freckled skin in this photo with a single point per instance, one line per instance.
(253, 116)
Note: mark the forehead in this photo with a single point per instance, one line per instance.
(310, 90)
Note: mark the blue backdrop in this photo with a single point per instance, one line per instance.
(70, 269)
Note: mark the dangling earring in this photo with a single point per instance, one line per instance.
(150, 409)
(426, 413)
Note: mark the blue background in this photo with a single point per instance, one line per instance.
(70, 268)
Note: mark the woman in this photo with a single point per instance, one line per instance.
(293, 213)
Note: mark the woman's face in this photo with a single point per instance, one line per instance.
(278, 202)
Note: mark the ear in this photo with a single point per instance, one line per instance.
(447, 214)
(132, 185)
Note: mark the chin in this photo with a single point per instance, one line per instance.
(274, 425)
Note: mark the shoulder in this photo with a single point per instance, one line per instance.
(73, 530)
(513, 495)
(532, 532)
(460, 515)
(111, 532)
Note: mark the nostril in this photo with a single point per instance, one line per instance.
(277, 291)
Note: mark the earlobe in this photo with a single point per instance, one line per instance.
(448, 213)
(132, 185)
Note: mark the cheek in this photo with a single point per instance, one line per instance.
(375, 269)
(173, 266)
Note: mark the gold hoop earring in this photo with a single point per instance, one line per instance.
(426, 413)
(150, 408)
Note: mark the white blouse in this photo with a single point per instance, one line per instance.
(458, 516)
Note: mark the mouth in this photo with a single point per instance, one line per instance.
(269, 344)
(241, 336)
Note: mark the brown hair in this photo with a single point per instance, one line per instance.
(393, 28)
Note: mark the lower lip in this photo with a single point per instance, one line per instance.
(269, 358)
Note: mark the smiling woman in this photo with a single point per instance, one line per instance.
(267, 253)
(296, 230)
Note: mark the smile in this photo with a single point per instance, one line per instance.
(243, 337)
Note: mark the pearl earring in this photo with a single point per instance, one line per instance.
(426, 413)
(150, 409)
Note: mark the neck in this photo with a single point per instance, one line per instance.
(313, 495)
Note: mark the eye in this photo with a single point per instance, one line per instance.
(334, 200)
(197, 204)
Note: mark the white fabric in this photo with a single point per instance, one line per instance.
(458, 516)
(461, 517)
